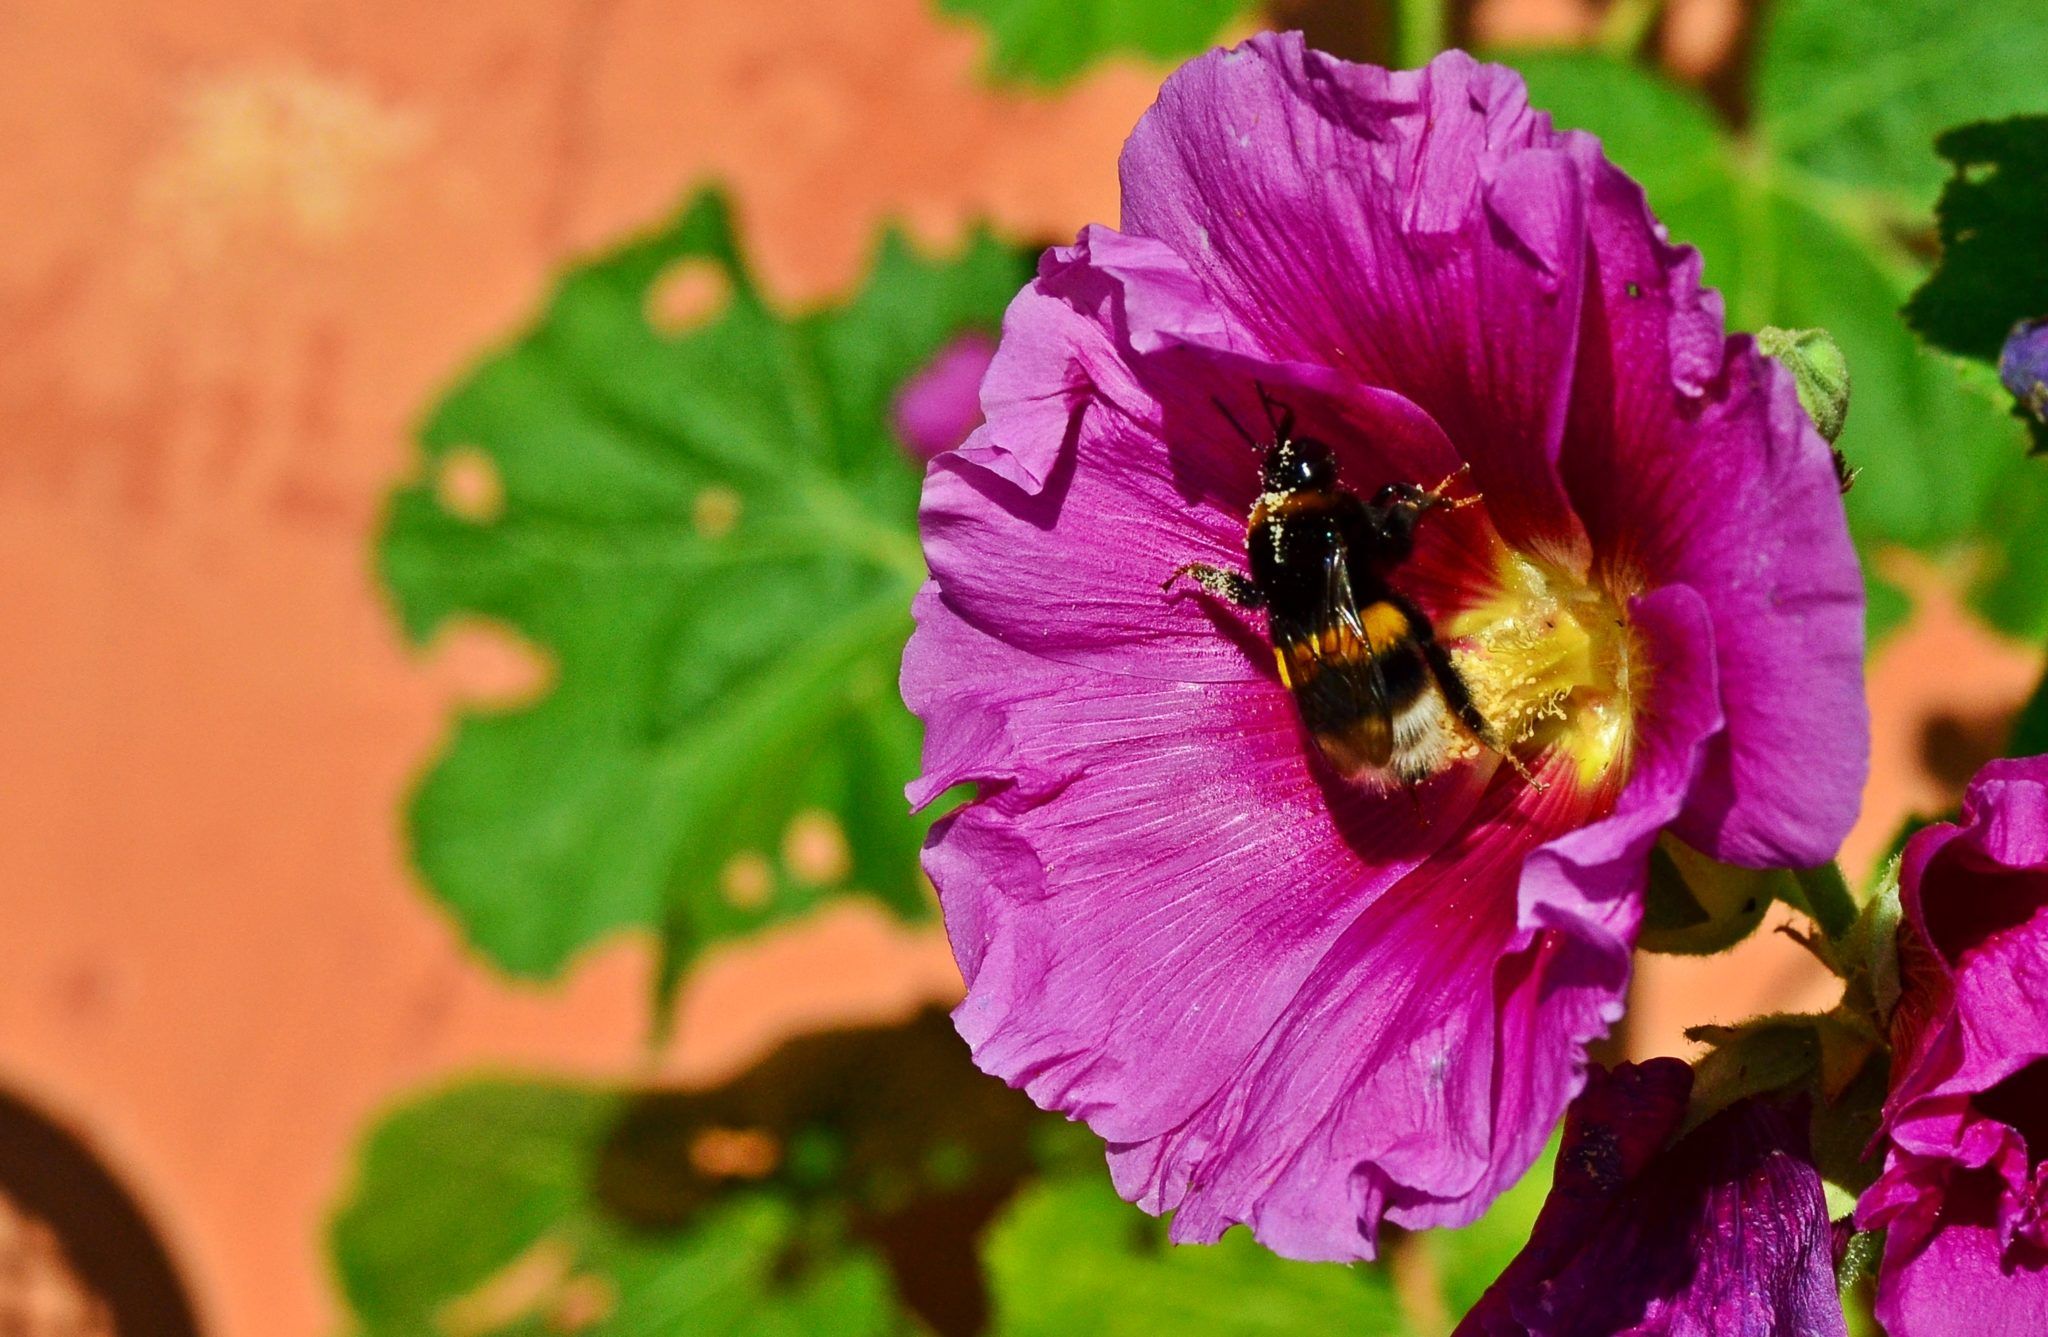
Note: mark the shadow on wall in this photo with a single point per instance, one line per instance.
(77, 1256)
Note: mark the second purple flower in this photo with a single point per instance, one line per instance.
(1284, 997)
(1964, 1193)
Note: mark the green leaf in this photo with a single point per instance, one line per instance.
(473, 1213)
(1470, 1258)
(1993, 218)
(1870, 953)
(1052, 41)
(1694, 906)
(1069, 1256)
(1764, 1056)
(1789, 246)
(712, 534)
(1855, 90)
(779, 1203)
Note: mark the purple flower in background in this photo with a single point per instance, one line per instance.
(2023, 367)
(939, 406)
(1964, 1193)
(1287, 999)
(1725, 1234)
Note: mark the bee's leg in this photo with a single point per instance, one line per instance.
(1436, 494)
(1232, 587)
(1459, 697)
(1414, 792)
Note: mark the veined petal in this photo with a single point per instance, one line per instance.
(1421, 231)
(1129, 888)
(1691, 461)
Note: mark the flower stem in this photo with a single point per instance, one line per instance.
(1827, 898)
(1626, 26)
(1422, 26)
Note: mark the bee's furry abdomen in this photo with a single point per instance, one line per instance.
(1369, 702)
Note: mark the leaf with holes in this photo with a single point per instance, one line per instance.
(712, 532)
(1942, 466)
(1994, 239)
(835, 1188)
(474, 1213)
(1053, 41)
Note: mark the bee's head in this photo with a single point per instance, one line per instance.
(1298, 464)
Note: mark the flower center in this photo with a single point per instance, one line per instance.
(1553, 665)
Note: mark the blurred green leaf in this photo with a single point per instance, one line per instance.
(1470, 1258)
(711, 531)
(1789, 247)
(1856, 90)
(1993, 217)
(1069, 1256)
(473, 1213)
(835, 1188)
(1053, 41)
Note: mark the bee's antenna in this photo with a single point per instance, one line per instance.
(1231, 418)
(1279, 417)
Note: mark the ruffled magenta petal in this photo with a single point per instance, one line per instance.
(1419, 1069)
(1421, 231)
(1964, 1193)
(1156, 869)
(1692, 461)
(1962, 1281)
(1287, 1000)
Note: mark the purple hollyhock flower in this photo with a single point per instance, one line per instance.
(941, 405)
(1964, 1193)
(2023, 367)
(1724, 1234)
(1283, 998)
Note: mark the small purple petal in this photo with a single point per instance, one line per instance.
(1725, 1232)
(2023, 367)
(939, 405)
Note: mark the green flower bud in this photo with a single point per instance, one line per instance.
(1817, 364)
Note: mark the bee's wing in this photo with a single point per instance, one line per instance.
(1340, 633)
(1344, 699)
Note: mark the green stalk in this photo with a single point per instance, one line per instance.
(1422, 27)
(1627, 26)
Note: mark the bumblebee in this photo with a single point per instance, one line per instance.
(1380, 696)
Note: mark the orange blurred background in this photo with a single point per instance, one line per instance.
(246, 243)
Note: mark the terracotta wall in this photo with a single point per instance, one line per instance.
(244, 244)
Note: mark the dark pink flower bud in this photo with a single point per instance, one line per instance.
(941, 404)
